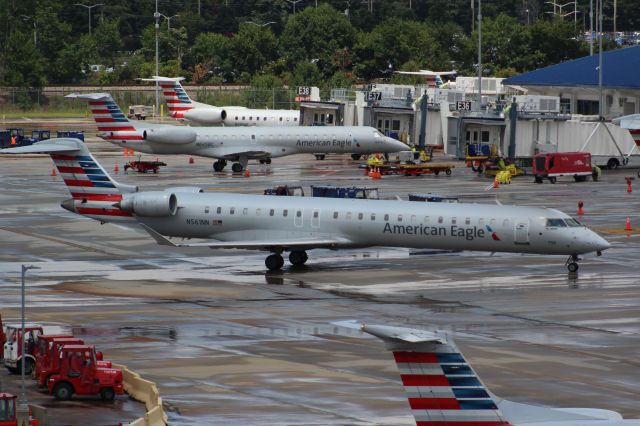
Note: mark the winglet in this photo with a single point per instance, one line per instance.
(160, 239)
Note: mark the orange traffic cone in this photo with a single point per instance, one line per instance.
(627, 227)
(629, 189)
(115, 168)
(379, 173)
(53, 172)
(580, 211)
(191, 161)
(126, 152)
(247, 173)
(496, 183)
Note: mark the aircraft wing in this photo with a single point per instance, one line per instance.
(298, 243)
(249, 154)
(426, 73)
(386, 332)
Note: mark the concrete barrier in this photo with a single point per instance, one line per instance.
(146, 392)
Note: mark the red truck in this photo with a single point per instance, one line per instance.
(48, 357)
(551, 165)
(81, 374)
(13, 348)
(8, 413)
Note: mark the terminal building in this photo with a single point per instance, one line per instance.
(555, 109)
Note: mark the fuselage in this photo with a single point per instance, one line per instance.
(256, 142)
(362, 223)
(238, 116)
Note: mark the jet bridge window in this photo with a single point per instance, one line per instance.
(556, 223)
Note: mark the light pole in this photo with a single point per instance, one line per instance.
(169, 18)
(590, 27)
(23, 405)
(89, 8)
(156, 15)
(480, 54)
(527, 16)
(294, 2)
(35, 28)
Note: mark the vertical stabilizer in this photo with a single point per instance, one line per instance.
(174, 95)
(442, 388)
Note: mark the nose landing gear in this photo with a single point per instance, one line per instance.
(572, 263)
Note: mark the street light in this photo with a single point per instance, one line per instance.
(259, 25)
(89, 8)
(480, 54)
(294, 2)
(23, 405)
(169, 18)
(35, 29)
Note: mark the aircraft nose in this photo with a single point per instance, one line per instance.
(394, 145)
(600, 243)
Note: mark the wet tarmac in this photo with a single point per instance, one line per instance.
(231, 344)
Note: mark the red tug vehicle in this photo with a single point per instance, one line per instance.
(8, 412)
(80, 374)
(551, 165)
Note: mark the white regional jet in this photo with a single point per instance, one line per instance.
(182, 107)
(443, 389)
(232, 144)
(298, 224)
(631, 123)
(433, 78)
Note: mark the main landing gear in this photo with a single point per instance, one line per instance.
(572, 263)
(219, 165)
(265, 161)
(275, 262)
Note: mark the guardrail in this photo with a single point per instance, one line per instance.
(146, 392)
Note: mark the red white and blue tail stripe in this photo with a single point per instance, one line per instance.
(442, 388)
(174, 95)
(113, 124)
(93, 191)
(631, 123)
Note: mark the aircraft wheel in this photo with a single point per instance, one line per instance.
(298, 257)
(552, 179)
(28, 366)
(274, 262)
(448, 172)
(267, 160)
(572, 267)
(218, 166)
(236, 167)
(262, 161)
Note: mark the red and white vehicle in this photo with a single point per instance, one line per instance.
(3, 338)
(551, 165)
(80, 374)
(13, 348)
(8, 413)
(48, 356)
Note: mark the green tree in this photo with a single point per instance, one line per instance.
(108, 41)
(24, 65)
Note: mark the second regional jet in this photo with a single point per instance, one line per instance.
(298, 224)
(182, 107)
(232, 144)
(444, 390)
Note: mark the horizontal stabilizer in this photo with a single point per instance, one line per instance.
(386, 332)
(47, 147)
(89, 96)
(160, 78)
(250, 245)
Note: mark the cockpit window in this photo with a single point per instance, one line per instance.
(556, 223)
(377, 135)
(573, 223)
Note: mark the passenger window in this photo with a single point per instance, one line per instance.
(265, 119)
(360, 216)
(413, 218)
(245, 211)
(206, 209)
(280, 118)
(272, 212)
(348, 215)
(253, 137)
(373, 216)
(258, 212)
(426, 220)
(251, 118)
(453, 220)
(386, 218)
(285, 212)
(295, 118)
(399, 218)
(467, 221)
(315, 215)
(219, 210)
(232, 210)
(440, 219)
(335, 215)
(243, 117)
(299, 213)
(236, 118)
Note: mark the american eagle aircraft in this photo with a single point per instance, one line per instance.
(232, 144)
(298, 224)
(182, 107)
(443, 389)
(631, 123)
(433, 78)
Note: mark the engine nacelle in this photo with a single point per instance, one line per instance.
(170, 135)
(207, 116)
(187, 189)
(150, 204)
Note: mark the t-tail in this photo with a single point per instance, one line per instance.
(442, 388)
(93, 191)
(113, 125)
(174, 95)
